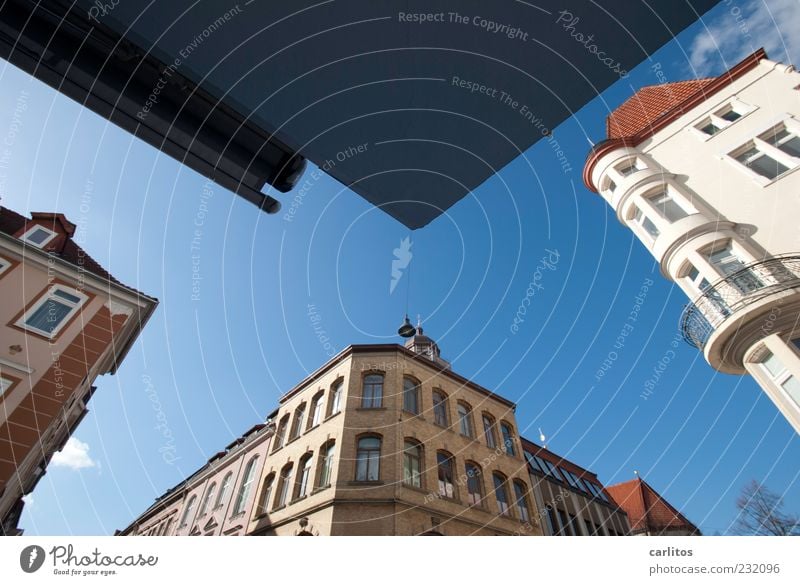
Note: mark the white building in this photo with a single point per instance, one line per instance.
(704, 173)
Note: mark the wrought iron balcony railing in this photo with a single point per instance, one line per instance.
(739, 289)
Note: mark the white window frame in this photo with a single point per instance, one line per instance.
(637, 224)
(781, 377)
(50, 235)
(792, 163)
(675, 196)
(5, 264)
(629, 162)
(715, 117)
(50, 294)
(5, 384)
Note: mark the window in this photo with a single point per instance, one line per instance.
(532, 462)
(729, 264)
(297, 423)
(552, 469)
(610, 186)
(410, 395)
(315, 416)
(38, 236)
(207, 499)
(372, 395)
(566, 527)
(284, 486)
(773, 152)
(488, 431)
(440, 408)
(569, 477)
(589, 527)
(521, 498)
(412, 463)
(649, 229)
(51, 312)
(722, 117)
(445, 467)
(465, 419)
(474, 483)
(247, 483)
(326, 464)
(368, 459)
(335, 400)
(552, 522)
(4, 265)
(5, 384)
(223, 492)
(698, 280)
(266, 493)
(188, 511)
(508, 439)
(501, 494)
(668, 206)
(303, 476)
(627, 168)
(781, 376)
(280, 434)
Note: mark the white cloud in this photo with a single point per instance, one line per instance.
(74, 455)
(741, 28)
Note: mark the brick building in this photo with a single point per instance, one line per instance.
(64, 320)
(648, 512)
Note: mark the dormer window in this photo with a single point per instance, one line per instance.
(38, 236)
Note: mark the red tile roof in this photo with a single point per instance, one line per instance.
(647, 105)
(647, 510)
(64, 247)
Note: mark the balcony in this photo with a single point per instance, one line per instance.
(734, 292)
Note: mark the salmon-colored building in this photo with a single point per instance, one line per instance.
(64, 320)
(648, 512)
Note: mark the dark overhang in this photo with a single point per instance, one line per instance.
(412, 104)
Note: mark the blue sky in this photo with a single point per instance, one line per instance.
(206, 370)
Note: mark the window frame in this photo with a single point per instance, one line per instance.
(500, 485)
(759, 142)
(303, 479)
(297, 422)
(446, 461)
(225, 487)
(465, 420)
(335, 397)
(668, 192)
(520, 492)
(478, 477)
(51, 291)
(509, 441)
(266, 492)
(369, 458)
(192, 502)
(715, 118)
(325, 472)
(281, 432)
(207, 499)
(489, 433)
(5, 265)
(284, 492)
(316, 413)
(25, 236)
(243, 493)
(375, 399)
(411, 388)
(782, 377)
(637, 219)
(415, 479)
(443, 404)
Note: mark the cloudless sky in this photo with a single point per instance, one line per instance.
(206, 370)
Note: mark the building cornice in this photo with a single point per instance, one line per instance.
(388, 348)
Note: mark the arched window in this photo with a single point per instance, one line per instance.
(247, 483)
(440, 408)
(284, 486)
(280, 434)
(223, 492)
(465, 419)
(412, 463)
(410, 395)
(188, 511)
(325, 473)
(521, 498)
(501, 493)
(266, 493)
(317, 405)
(368, 459)
(207, 499)
(474, 483)
(508, 438)
(372, 394)
(488, 431)
(303, 475)
(297, 423)
(335, 398)
(446, 469)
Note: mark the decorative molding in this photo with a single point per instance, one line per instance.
(16, 366)
(117, 308)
